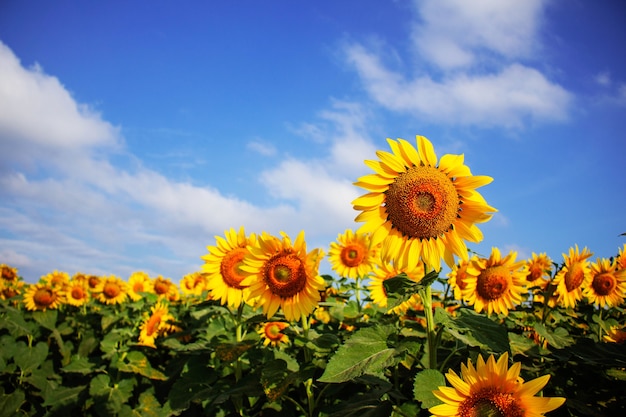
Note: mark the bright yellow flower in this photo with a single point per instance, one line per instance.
(56, 278)
(457, 277)
(139, 282)
(539, 270)
(8, 274)
(194, 283)
(111, 290)
(352, 255)
(272, 333)
(223, 266)
(608, 284)
(493, 389)
(495, 284)
(77, 292)
(10, 289)
(165, 289)
(282, 275)
(621, 257)
(615, 335)
(573, 277)
(42, 297)
(429, 208)
(155, 324)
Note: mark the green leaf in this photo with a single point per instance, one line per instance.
(425, 383)
(16, 325)
(46, 319)
(474, 329)
(30, 358)
(10, 404)
(559, 338)
(276, 379)
(619, 374)
(365, 352)
(78, 365)
(110, 398)
(62, 395)
(195, 384)
(136, 362)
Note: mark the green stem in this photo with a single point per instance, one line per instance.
(427, 299)
(239, 338)
(358, 294)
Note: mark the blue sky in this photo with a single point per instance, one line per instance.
(132, 133)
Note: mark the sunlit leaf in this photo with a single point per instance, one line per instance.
(424, 384)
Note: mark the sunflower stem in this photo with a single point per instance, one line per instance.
(426, 295)
(239, 338)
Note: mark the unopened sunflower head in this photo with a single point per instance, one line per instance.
(429, 206)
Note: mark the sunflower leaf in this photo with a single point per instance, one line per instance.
(424, 384)
(474, 329)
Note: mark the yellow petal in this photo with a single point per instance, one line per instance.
(426, 151)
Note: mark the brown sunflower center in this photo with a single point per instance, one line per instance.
(161, 287)
(604, 284)
(535, 272)
(44, 297)
(230, 267)
(574, 276)
(422, 203)
(153, 324)
(138, 287)
(285, 274)
(352, 255)
(272, 332)
(490, 402)
(77, 293)
(93, 281)
(8, 274)
(493, 282)
(111, 290)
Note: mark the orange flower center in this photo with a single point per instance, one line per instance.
(153, 324)
(8, 274)
(138, 287)
(44, 297)
(285, 275)
(493, 282)
(273, 332)
(77, 293)
(490, 402)
(353, 255)
(461, 277)
(93, 281)
(111, 290)
(9, 292)
(574, 276)
(604, 284)
(161, 287)
(422, 203)
(230, 267)
(535, 272)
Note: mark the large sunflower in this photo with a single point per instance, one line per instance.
(157, 323)
(282, 275)
(352, 255)
(42, 297)
(429, 208)
(573, 277)
(223, 266)
(495, 284)
(493, 389)
(111, 290)
(608, 284)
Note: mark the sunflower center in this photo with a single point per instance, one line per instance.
(574, 276)
(93, 281)
(111, 290)
(285, 275)
(493, 282)
(43, 297)
(161, 287)
(230, 267)
(352, 255)
(153, 324)
(603, 284)
(8, 274)
(272, 332)
(138, 287)
(78, 293)
(536, 272)
(422, 202)
(490, 402)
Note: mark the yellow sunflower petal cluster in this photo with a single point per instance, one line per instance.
(165, 289)
(495, 284)
(11, 283)
(223, 266)
(573, 277)
(272, 333)
(42, 296)
(457, 277)
(608, 284)
(352, 255)
(428, 207)
(539, 270)
(58, 279)
(193, 284)
(111, 290)
(281, 274)
(76, 292)
(615, 334)
(157, 323)
(139, 282)
(493, 389)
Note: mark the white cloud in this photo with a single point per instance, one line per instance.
(506, 98)
(456, 33)
(603, 78)
(261, 147)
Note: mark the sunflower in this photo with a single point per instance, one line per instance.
(42, 296)
(573, 277)
(608, 284)
(283, 275)
(495, 284)
(156, 323)
(223, 266)
(390, 267)
(430, 209)
(193, 284)
(165, 288)
(139, 282)
(272, 333)
(352, 255)
(111, 290)
(93, 281)
(457, 277)
(8, 274)
(56, 278)
(539, 270)
(615, 334)
(77, 292)
(621, 257)
(493, 389)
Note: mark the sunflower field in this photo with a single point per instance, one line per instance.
(257, 331)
